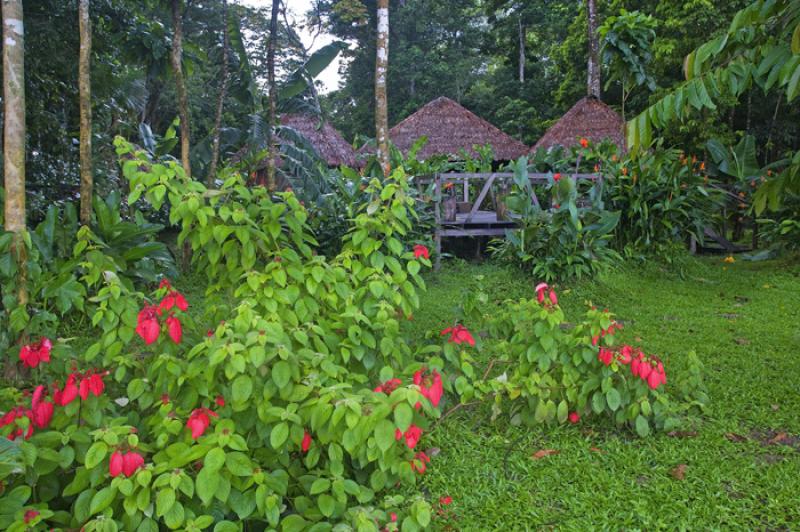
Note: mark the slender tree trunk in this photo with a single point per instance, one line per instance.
(85, 89)
(14, 134)
(273, 96)
(180, 83)
(523, 31)
(381, 71)
(212, 172)
(593, 83)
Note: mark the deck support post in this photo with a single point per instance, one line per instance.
(437, 235)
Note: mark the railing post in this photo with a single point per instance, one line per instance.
(437, 216)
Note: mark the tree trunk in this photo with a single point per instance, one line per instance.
(523, 31)
(212, 172)
(593, 83)
(273, 96)
(14, 134)
(85, 89)
(381, 70)
(180, 83)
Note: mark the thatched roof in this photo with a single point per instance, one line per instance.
(449, 128)
(589, 118)
(328, 142)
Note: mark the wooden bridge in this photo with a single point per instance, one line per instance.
(477, 221)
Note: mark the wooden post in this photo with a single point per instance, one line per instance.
(437, 236)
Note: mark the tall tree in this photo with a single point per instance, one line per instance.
(381, 70)
(212, 171)
(180, 83)
(85, 91)
(14, 131)
(593, 81)
(273, 95)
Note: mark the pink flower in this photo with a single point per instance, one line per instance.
(33, 354)
(421, 251)
(305, 445)
(199, 421)
(393, 517)
(116, 464)
(173, 299)
(574, 417)
(430, 385)
(174, 329)
(147, 324)
(412, 436)
(131, 462)
(540, 289)
(458, 335)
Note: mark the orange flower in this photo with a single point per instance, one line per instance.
(702, 166)
(584, 143)
(624, 170)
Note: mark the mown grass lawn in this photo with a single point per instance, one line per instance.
(738, 468)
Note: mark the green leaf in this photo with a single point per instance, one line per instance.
(102, 500)
(242, 388)
(642, 426)
(613, 399)
(207, 484)
(214, 460)
(95, 454)
(563, 411)
(321, 485)
(384, 434)
(403, 415)
(279, 435)
(164, 501)
(281, 374)
(239, 464)
(327, 505)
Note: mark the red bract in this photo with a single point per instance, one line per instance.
(173, 299)
(584, 143)
(625, 354)
(199, 421)
(574, 417)
(131, 462)
(605, 356)
(68, 394)
(430, 385)
(388, 387)
(556, 177)
(220, 401)
(41, 411)
(164, 283)
(147, 324)
(458, 335)
(540, 290)
(393, 517)
(33, 354)
(30, 515)
(553, 297)
(421, 251)
(305, 445)
(412, 436)
(116, 464)
(444, 501)
(93, 384)
(174, 329)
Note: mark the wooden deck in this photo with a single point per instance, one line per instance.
(483, 223)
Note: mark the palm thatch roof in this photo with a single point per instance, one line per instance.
(590, 119)
(450, 128)
(328, 142)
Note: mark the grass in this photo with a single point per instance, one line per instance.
(741, 319)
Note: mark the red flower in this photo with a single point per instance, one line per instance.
(174, 329)
(92, 384)
(147, 324)
(412, 436)
(540, 289)
(199, 421)
(430, 385)
(131, 462)
(305, 445)
(173, 299)
(574, 417)
(553, 297)
(33, 354)
(626, 354)
(41, 411)
(115, 464)
(556, 177)
(421, 251)
(459, 334)
(220, 401)
(605, 356)
(164, 398)
(595, 340)
(645, 369)
(444, 501)
(164, 283)
(584, 143)
(388, 387)
(68, 394)
(30, 515)
(393, 517)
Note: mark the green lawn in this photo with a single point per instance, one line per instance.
(739, 470)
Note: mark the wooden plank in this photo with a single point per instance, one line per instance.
(476, 206)
(478, 231)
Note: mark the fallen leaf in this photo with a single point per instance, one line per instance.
(596, 450)
(778, 438)
(735, 438)
(433, 451)
(678, 472)
(683, 434)
(538, 455)
(775, 408)
(742, 341)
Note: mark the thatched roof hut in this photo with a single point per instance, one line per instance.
(449, 128)
(589, 118)
(328, 142)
